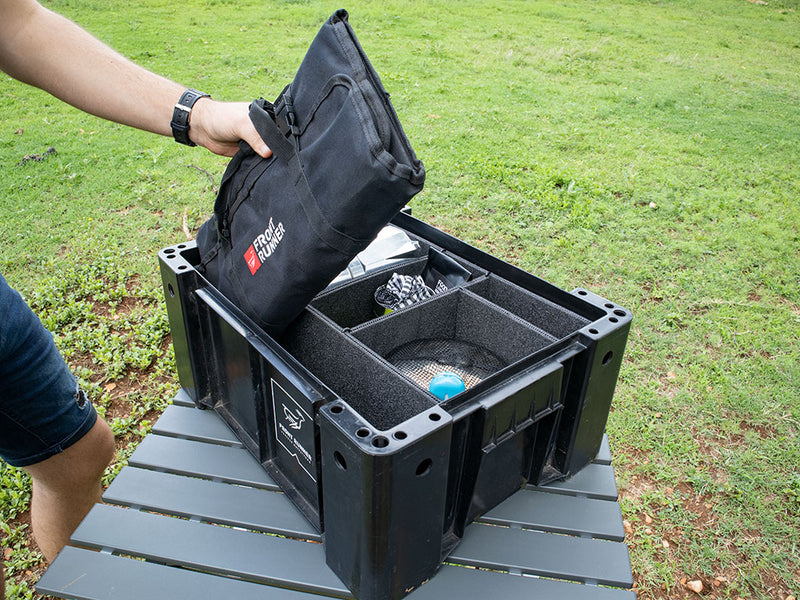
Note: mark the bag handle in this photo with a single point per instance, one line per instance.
(262, 114)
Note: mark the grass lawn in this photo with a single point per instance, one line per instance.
(645, 150)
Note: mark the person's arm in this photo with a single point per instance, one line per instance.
(44, 49)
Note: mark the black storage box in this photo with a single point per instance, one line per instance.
(390, 475)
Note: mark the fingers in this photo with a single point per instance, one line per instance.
(218, 126)
(256, 143)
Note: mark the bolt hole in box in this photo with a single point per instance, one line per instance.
(339, 409)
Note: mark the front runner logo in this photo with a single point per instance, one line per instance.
(252, 260)
(295, 420)
(263, 246)
(291, 432)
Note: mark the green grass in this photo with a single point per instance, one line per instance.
(646, 150)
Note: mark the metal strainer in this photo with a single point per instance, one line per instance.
(420, 360)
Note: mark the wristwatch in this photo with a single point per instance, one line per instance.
(180, 116)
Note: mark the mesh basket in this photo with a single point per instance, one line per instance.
(421, 360)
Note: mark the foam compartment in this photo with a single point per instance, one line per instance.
(365, 381)
(351, 304)
(456, 315)
(541, 313)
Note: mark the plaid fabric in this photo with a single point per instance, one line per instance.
(408, 290)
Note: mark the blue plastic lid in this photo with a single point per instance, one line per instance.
(445, 385)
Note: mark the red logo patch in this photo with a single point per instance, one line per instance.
(252, 260)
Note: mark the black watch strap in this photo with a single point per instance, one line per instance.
(180, 116)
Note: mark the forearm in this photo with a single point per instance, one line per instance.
(48, 51)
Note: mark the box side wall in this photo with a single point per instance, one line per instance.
(383, 534)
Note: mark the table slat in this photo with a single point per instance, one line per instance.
(195, 424)
(79, 574)
(234, 505)
(604, 454)
(182, 398)
(559, 513)
(545, 554)
(460, 583)
(222, 550)
(198, 459)
(594, 480)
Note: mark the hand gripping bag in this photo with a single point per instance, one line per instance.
(283, 228)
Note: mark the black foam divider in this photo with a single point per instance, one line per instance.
(455, 315)
(472, 268)
(365, 381)
(352, 303)
(541, 313)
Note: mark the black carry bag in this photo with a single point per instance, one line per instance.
(285, 227)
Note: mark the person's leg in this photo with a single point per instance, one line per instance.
(66, 486)
(47, 425)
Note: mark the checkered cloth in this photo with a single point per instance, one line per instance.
(407, 290)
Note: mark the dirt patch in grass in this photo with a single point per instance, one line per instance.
(120, 308)
(762, 431)
(648, 526)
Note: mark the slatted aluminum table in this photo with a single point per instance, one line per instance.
(193, 515)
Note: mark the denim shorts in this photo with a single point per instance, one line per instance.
(42, 408)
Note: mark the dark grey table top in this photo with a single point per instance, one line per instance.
(193, 515)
